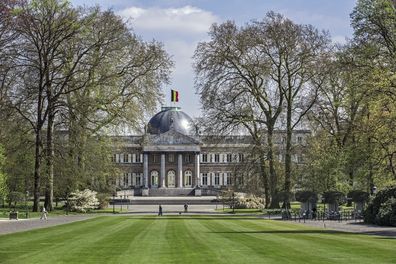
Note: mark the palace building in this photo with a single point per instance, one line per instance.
(171, 158)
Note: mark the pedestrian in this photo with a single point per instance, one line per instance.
(44, 214)
(185, 208)
(160, 210)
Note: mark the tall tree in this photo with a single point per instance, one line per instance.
(237, 92)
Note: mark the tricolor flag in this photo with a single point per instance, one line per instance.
(174, 96)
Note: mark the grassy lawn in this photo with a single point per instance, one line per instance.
(191, 239)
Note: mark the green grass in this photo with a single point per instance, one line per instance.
(192, 239)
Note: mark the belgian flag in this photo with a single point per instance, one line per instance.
(174, 96)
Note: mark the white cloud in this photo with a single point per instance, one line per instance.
(187, 19)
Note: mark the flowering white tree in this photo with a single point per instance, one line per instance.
(82, 201)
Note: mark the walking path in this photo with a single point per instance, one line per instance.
(353, 227)
(12, 226)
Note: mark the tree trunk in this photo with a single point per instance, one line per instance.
(288, 150)
(37, 167)
(49, 193)
(265, 180)
(272, 171)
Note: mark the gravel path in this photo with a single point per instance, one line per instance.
(353, 227)
(12, 226)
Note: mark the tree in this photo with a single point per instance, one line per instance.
(237, 92)
(60, 51)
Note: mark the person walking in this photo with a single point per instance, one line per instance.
(160, 210)
(44, 214)
(185, 208)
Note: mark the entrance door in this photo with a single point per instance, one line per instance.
(171, 179)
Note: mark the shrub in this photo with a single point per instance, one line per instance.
(83, 201)
(249, 202)
(104, 200)
(382, 209)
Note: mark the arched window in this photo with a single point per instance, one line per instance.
(171, 178)
(154, 178)
(188, 178)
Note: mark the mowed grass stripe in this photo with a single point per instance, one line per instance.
(191, 239)
(96, 241)
(313, 245)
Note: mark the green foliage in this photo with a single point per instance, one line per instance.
(334, 197)
(306, 196)
(15, 197)
(382, 209)
(358, 196)
(103, 199)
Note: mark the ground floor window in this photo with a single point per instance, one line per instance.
(154, 178)
(188, 178)
(228, 178)
(171, 178)
(137, 179)
(204, 179)
(217, 179)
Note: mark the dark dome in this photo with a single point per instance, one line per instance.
(171, 118)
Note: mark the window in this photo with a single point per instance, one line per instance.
(114, 158)
(299, 140)
(171, 157)
(228, 178)
(171, 178)
(300, 158)
(138, 158)
(155, 158)
(204, 179)
(229, 157)
(240, 157)
(205, 157)
(217, 158)
(138, 180)
(217, 179)
(126, 158)
(187, 158)
(154, 178)
(188, 178)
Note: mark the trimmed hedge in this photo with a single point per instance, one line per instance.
(382, 209)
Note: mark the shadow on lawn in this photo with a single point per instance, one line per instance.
(284, 232)
(192, 218)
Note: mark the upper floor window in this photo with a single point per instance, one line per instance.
(217, 158)
(171, 157)
(187, 158)
(229, 157)
(204, 157)
(138, 159)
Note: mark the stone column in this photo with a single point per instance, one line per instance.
(197, 164)
(180, 170)
(145, 170)
(162, 174)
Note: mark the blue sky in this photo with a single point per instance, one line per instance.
(181, 24)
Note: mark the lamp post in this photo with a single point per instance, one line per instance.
(26, 204)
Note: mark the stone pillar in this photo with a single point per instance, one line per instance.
(162, 174)
(145, 170)
(180, 170)
(197, 164)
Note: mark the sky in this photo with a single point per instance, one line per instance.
(181, 24)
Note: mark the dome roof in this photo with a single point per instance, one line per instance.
(171, 118)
